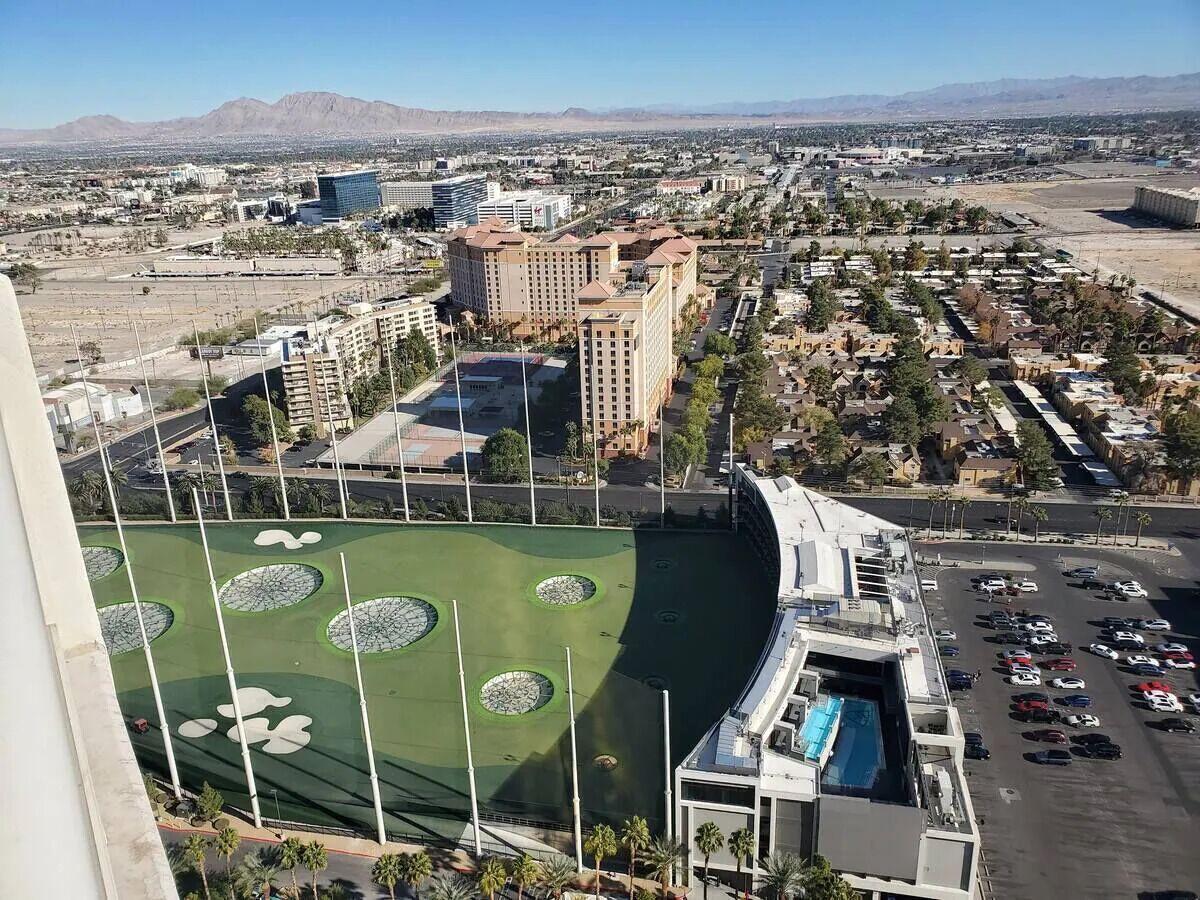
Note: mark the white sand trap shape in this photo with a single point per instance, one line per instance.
(271, 536)
(286, 737)
(270, 587)
(197, 728)
(516, 693)
(119, 624)
(101, 561)
(382, 624)
(565, 590)
(253, 700)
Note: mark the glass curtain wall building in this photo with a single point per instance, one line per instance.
(345, 193)
(456, 200)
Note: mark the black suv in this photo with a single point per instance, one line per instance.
(1101, 751)
(1053, 757)
(1094, 737)
(1040, 716)
(1177, 724)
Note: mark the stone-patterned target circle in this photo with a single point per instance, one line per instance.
(565, 590)
(516, 693)
(119, 624)
(101, 561)
(382, 624)
(271, 587)
(605, 762)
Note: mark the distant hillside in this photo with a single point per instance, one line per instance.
(316, 113)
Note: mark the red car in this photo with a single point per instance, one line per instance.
(1049, 736)
(1018, 661)
(1178, 655)
(1059, 665)
(1155, 686)
(1030, 705)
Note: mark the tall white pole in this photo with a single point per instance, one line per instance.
(666, 711)
(337, 458)
(462, 434)
(662, 470)
(574, 768)
(462, 689)
(262, 360)
(163, 726)
(399, 443)
(596, 468)
(732, 488)
(362, 708)
(162, 460)
(213, 420)
(233, 688)
(528, 443)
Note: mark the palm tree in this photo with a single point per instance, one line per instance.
(87, 489)
(600, 843)
(290, 852)
(492, 877)
(963, 502)
(195, 848)
(416, 869)
(782, 875)
(183, 483)
(1143, 519)
(259, 871)
(709, 840)
(662, 856)
(945, 498)
(387, 871)
(316, 860)
(320, 495)
(1039, 515)
(741, 845)
(525, 872)
(451, 887)
(1103, 514)
(1022, 504)
(635, 836)
(558, 872)
(226, 844)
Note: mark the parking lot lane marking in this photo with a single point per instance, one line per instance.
(1009, 795)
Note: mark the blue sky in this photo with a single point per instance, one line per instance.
(153, 60)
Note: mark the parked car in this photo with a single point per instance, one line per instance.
(1031, 695)
(1024, 669)
(1104, 650)
(1025, 586)
(993, 584)
(1156, 686)
(1128, 637)
(1165, 704)
(1048, 736)
(977, 751)
(1154, 625)
(1071, 683)
(1078, 701)
(948, 650)
(1011, 637)
(1172, 648)
(1084, 572)
(1121, 622)
(1101, 751)
(1083, 720)
(1029, 705)
(1130, 590)
(1060, 665)
(1043, 639)
(1094, 737)
(1173, 663)
(1194, 699)
(1020, 656)
(1024, 679)
(928, 584)
(1147, 670)
(1052, 757)
(1141, 659)
(945, 635)
(1040, 716)
(1176, 724)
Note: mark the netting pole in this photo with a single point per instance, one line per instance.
(596, 468)
(337, 458)
(399, 443)
(462, 433)
(666, 712)
(229, 674)
(212, 417)
(159, 708)
(362, 708)
(528, 442)
(262, 360)
(732, 488)
(462, 689)
(662, 470)
(162, 459)
(574, 767)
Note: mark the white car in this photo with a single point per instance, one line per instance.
(928, 584)
(1104, 650)
(1024, 679)
(1015, 654)
(1179, 663)
(1155, 625)
(1165, 704)
(1037, 626)
(1042, 638)
(1083, 720)
(992, 584)
(1128, 636)
(945, 635)
(1172, 648)
(1024, 669)
(1137, 660)
(1158, 695)
(1070, 683)
(1124, 585)
(1025, 586)
(1194, 699)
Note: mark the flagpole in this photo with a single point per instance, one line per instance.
(462, 434)
(574, 767)
(337, 458)
(399, 443)
(362, 707)
(662, 470)
(213, 419)
(162, 460)
(233, 688)
(528, 442)
(596, 468)
(262, 359)
(163, 727)
(462, 689)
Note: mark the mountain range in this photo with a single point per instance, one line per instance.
(316, 113)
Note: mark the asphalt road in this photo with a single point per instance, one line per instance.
(1095, 828)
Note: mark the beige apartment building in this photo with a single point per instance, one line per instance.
(320, 368)
(504, 275)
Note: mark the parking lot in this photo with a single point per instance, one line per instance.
(1094, 828)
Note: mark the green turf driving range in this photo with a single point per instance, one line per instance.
(685, 610)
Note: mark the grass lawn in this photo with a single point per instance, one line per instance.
(689, 611)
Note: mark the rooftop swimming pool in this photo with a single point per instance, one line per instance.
(820, 726)
(858, 753)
